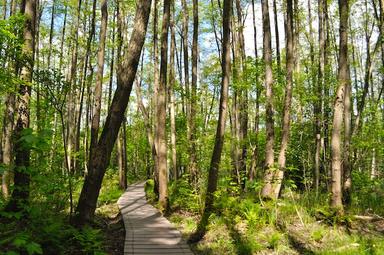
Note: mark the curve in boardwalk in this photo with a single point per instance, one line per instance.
(147, 231)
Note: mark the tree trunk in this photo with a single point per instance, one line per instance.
(255, 153)
(319, 92)
(220, 131)
(156, 90)
(20, 194)
(121, 158)
(51, 33)
(343, 77)
(192, 139)
(277, 37)
(7, 144)
(112, 62)
(270, 134)
(4, 9)
(99, 77)
(171, 92)
(72, 93)
(161, 112)
(347, 167)
(102, 152)
(278, 179)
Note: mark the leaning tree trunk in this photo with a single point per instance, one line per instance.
(103, 149)
(220, 131)
(343, 77)
(270, 134)
(20, 194)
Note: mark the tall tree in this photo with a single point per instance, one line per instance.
(155, 89)
(338, 108)
(278, 179)
(171, 88)
(8, 125)
(319, 91)
(277, 36)
(20, 194)
(255, 153)
(161, 111)
(125, 78)
(270, 133)
(51, 33)
(99, 76)
(220, 131)
(71, 113)
(193, 105)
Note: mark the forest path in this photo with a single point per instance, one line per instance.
(147, 231)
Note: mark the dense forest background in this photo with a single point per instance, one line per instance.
(254, 121)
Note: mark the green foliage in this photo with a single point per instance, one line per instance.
(22, 243)
(110, 191)
(332, 216)
(90, 240)
(149, 186)
(31, 140)
(11, 44)
(368, 194)
(317, 234)
(54, 87)
(182, 195)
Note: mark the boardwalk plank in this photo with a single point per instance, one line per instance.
(147, 231)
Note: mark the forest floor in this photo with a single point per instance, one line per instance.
(244, 225)
(285, 236)
(111, 225)
(47, 230)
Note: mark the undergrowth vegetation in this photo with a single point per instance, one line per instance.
(298, 223)
(47, 229)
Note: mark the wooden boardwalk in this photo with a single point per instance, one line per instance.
(147, 231)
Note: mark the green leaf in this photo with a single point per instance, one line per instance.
(34, 248)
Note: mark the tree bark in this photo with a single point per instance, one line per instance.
(99, 76)
(7, 145)
(171, 92)
(220, 131)
(20, 194)
(51, 33)
(319, 92)
(278, 179)
(193, 99)
(161, 112)
(277, 37)
(72, 93)
(255, 153)
(121, 154)
(155, 89)
(112, 63)
(343, 77)
(102, 152)
(270, 134)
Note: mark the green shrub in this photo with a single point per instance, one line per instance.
(90, 240)
(182, 195)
